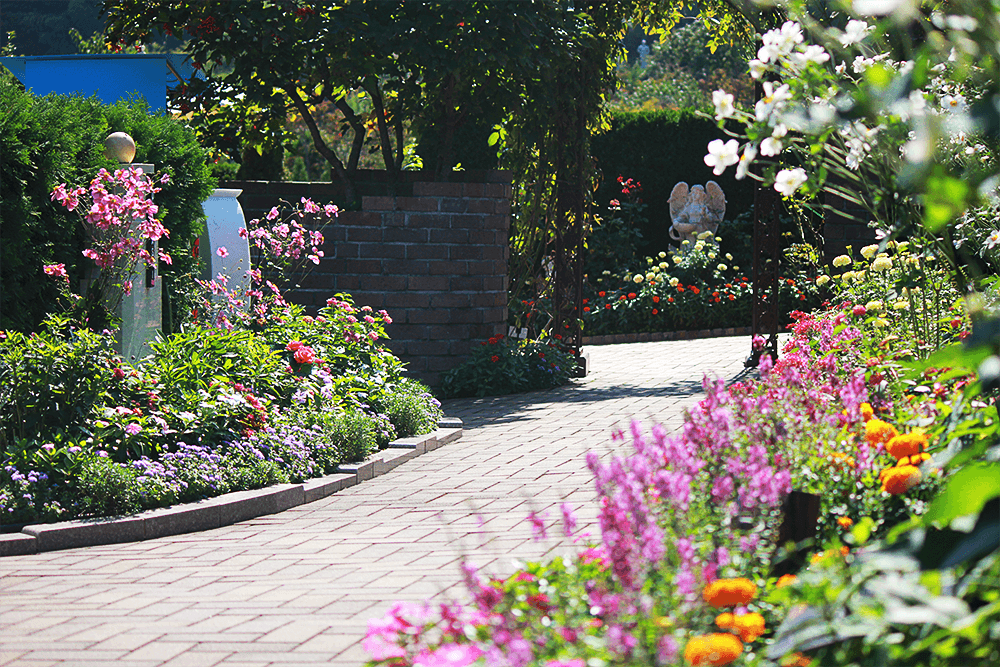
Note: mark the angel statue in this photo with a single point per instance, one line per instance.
(696, 211)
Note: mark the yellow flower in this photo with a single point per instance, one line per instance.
(879, 432)
(874, 305)
(881, 264)
(749, 626)
(822, 280)
(714, 649)
(869, 251)
(662, 254)
(867, 412)
(637, 278)
(841, 260)
(845, 521)
(725, 620)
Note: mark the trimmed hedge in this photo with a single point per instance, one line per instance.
(57, 139)
(660, 149)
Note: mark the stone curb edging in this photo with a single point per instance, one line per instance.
(222, 510)
(666, 335)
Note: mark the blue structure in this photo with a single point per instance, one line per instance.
(112, 77)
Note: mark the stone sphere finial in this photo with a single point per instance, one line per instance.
(119, 146)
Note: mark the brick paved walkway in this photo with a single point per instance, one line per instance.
(298, 587)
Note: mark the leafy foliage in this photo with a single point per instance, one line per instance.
(59, 139)
(504, 365)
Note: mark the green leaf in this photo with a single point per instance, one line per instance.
(965, 493)
(945, 199)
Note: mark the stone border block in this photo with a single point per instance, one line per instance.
(417, 443)
(244, 505)
(392, 458)
(178, 519)
(17, 544)
(446, 435)
(362, 471)
(90, 532)
(321, 487)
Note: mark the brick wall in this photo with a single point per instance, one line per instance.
(434, 255)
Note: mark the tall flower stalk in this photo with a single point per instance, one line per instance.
(121, 222)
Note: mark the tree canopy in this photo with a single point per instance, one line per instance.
(429, 68)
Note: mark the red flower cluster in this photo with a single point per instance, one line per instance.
(302, 353)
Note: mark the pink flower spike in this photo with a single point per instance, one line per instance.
(222, 252)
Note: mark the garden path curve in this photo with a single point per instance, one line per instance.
(299, 587)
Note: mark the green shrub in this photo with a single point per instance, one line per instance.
(52, 381)
(199, 357)
(505, 365)
(57, 139)
(410, 407)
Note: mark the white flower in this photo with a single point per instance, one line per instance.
(637, 278)
(788, 180)
(723, 102)
(869, 251)
(993, 239)
(861, 63)
(721, 155)
(729, 257)
(722, 267)
(901, 8)
(770, 147)
(674, 281)
(773, 100)
(822, 280)
(757, 68)
(749, 153)
(814, 53)
(663, 266)
(841, 260)
(854, 32)
(841, 68)
(954, 103)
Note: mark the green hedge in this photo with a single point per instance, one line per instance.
(659, 149)
(56, 139)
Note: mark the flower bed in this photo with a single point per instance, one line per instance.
(250, 393)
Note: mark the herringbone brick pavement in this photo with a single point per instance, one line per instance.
(298, 587)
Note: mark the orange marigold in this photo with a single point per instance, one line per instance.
(845, 521)
(786, 580)
(914, 460)
(749, 626)
(796, 660)
(714, 649)
(866, 411)
(725, 620)
(729, 592)
(879, 432)
(906, 444)
(899, 479)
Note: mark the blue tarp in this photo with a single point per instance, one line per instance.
(112, 77)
